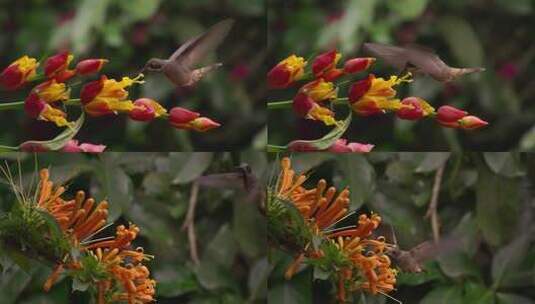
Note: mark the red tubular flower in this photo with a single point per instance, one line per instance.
(304, 106)
(146, 109)
(107, 96)
(447, 114)
(182, 118)
(286, 72)
(74, 147)
(356, 65)
(324, 65)
(414, 108)
(359, 88)
(57, 66)
(472, 122)
(90, 66)
(35, 107)
(18, 73)
(319, 90)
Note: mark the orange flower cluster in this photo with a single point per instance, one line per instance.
(80, 219)
(370, 268)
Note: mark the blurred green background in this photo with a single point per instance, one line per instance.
(152, 190)
(495, 34)
(485, 200)
(128, 33)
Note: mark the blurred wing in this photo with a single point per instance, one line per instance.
(196, 48)
(429, 250)
(392, 55)
(426, 61)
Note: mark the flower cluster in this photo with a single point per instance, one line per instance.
(47, 100)
(369, 96)
(366, 265)
(119, 275)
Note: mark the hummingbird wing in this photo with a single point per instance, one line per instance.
(193, 50)
(430, 249)
(393, 55)
(427, 62)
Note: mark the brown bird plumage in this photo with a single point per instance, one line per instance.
(180, 67)
(417, 59)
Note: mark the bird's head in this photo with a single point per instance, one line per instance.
(154, 65)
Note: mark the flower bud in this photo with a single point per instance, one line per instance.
(472, 122)
(179, 115)
(414, 108)
(181, 118)
(356, 65)
(203, 124)
(90, 66)
(446, 114)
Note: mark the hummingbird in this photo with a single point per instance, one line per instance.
(417, 59)
(180, 67)
(241, 178)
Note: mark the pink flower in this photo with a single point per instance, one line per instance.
(73, 146)
(341, 146)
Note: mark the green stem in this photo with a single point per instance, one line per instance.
(275, 148)
(288, 103)
(20, 104)
(8, 148)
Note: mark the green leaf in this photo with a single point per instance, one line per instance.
(443, 295)
(462, 40)
(504, 163)
(138, 10)
(176, 281)
(113, 185)
(186, 167)
(359, 175)
(12, 283)
(91, 14)
(497, 205)
(432, 161)
(298, 290)
(407, 9)
(326, 141)
(506, 262)
(258, 279)
(249, 228)
(59, 141)
(508, 298)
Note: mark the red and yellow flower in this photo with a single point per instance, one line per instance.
(40, 102)
(57, 66)
(108, 96)
(305, 106)
(287, 72)
(146, 109)
(319, 90)
(18, 73)
(376, 95)
(356, 65)
(415, 108)
(324, 65)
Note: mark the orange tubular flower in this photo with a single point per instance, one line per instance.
(18, 73)
(80, 218)
(324, 65)
(90, 66)
(376, 95)
(181, 118)
(107, 96)
(57, 66)
(287, 72)
(370, 268)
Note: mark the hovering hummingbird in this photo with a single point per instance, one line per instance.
(180, 67)
(417, 59)
(242, 178)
